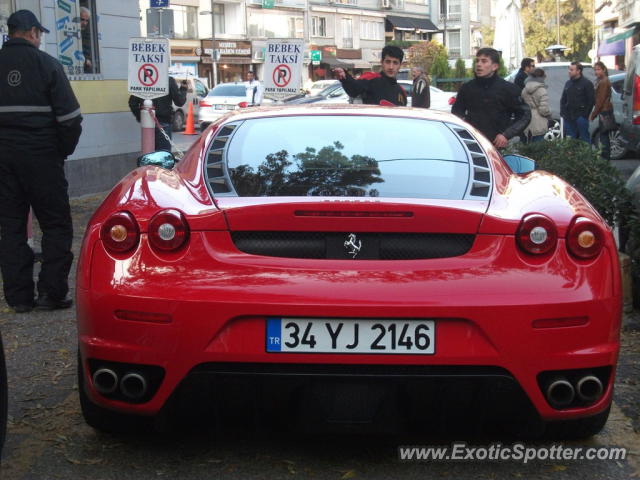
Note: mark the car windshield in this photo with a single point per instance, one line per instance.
(229, 91)
(328, 155)
(328, 90)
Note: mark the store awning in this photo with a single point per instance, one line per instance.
(411, 23)
(334, 62)
(357, 63)
(620, 36)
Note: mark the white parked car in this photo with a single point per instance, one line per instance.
(440, 100)
(319, 85)
(220, 99)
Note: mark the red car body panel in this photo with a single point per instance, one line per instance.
(218, 298)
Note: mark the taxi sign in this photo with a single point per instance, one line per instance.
(283, 67)
(149, 67)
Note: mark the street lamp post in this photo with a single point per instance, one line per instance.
(214, 63)
(443, 19)
(558, 19)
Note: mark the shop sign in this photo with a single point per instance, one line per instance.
(184, 51)
(282, 75)
(230, 48)
(148, 67)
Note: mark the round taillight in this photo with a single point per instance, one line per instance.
(452, 100)
(168, 230)
(537, 234)
(585, 238)
(120, 232)
(243, 104)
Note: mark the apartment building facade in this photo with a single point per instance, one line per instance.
(347, 33)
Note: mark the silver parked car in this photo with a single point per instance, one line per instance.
(557, 76)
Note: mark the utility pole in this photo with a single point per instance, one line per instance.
(443, 19)
(558, 19)
(214, 62)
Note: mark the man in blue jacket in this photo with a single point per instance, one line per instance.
(576, 103)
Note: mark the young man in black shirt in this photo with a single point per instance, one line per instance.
(383, 88)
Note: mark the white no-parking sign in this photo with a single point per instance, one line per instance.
(149, 67)
(283, 67)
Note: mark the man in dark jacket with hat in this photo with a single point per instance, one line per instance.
(163, 110)
(39, 127)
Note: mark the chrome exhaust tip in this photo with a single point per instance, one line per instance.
(560, 393)
(589, 388)
(133, 386)
(105, 380)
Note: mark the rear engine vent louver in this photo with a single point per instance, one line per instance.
(480, 182)
(216, 172)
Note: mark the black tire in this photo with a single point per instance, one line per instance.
(203, 126)
(106, 420)
(3, 396)
(177, 125)
(579, 428)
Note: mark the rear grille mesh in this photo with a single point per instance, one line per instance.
(337, 245)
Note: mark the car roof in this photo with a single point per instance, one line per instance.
(559, 64)
(229, 83)
(342, 109)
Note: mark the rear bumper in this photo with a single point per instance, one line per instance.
(484, 311)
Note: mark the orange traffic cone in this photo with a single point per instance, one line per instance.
(190, 130)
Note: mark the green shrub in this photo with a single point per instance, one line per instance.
(402, 43)
(502, 70)
(440, 67)
(460, 69)
(578, 164)
(597, 179)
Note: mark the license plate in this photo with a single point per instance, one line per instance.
(303, 335)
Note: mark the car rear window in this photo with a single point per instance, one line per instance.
(327, 155)
(229, 91)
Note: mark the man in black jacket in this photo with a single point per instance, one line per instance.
(492, 104)
(39, 127)
(576, 103)
(527, 65)
(163, 110)
(384, 88)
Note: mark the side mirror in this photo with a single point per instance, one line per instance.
(160, 158)
(520, 164)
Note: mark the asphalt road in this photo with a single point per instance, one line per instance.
(48, 439)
